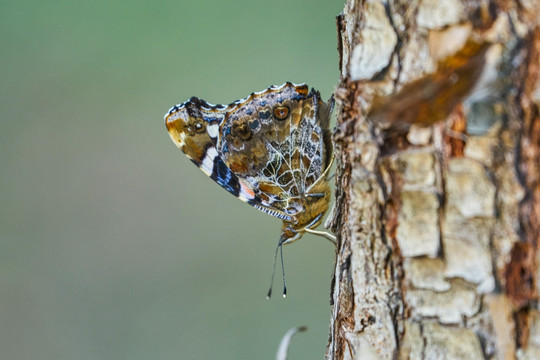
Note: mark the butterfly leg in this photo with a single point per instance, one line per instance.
(456, 134)
(325, 173)
(324, 234)
(316, 195)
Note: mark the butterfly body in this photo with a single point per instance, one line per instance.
(271, 150)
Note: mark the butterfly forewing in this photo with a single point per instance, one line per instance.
(194, 128)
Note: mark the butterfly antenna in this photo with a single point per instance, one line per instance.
(273, 272)
(283, 271)
(278, 247)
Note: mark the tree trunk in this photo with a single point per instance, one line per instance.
(438, 182)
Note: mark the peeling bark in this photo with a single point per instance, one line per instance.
(438, 182)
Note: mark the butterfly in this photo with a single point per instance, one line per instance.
(272, 150)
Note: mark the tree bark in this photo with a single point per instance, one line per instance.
(438, 182)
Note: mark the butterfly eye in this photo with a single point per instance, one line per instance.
(199, 127)
(281, 112)
(243, 131)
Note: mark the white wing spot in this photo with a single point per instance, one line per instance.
(213, 130)
(208, 162)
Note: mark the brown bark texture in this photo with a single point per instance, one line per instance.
(438, 181)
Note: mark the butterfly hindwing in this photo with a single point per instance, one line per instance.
(274, 140)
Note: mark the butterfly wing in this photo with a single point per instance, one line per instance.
(278, 142)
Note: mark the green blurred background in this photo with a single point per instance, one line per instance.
(112, 244)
